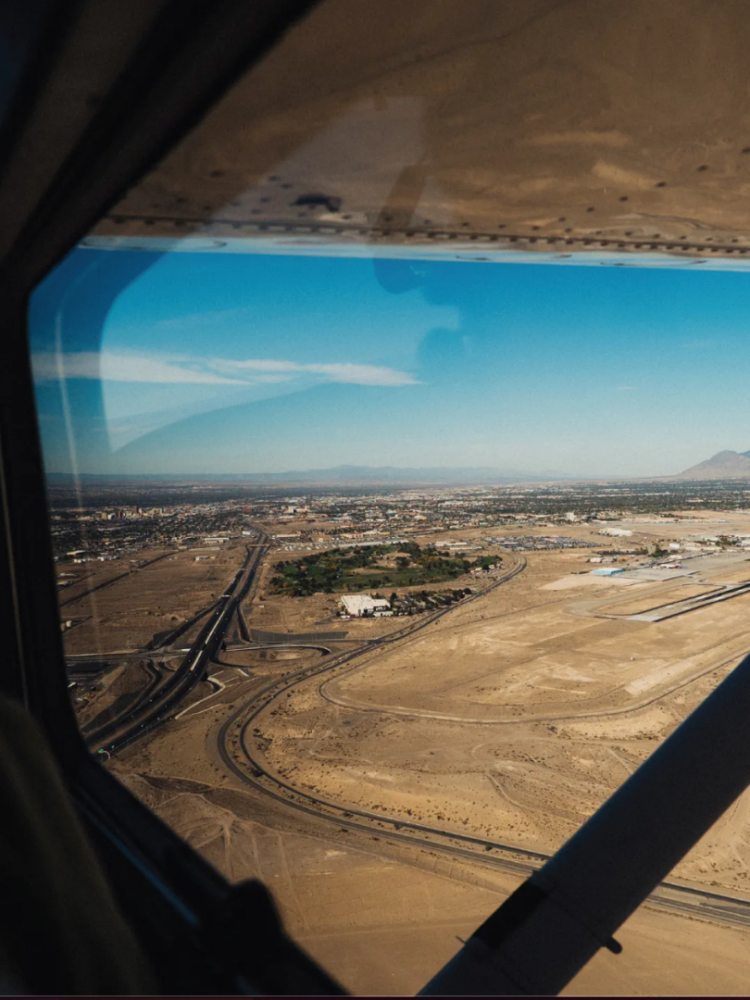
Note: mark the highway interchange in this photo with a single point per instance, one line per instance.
(159, 702)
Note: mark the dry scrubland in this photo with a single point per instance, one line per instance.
(515, 717)
(512, 717)
(384, 921)
(151, 599)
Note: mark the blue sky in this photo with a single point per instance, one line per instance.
(243, 362)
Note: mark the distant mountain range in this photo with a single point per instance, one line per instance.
(340, 474)
(391, 474)
(723, 465)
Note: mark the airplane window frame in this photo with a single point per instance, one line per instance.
(190, 54)
(163, 885)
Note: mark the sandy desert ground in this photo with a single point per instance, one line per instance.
(517, 724)
(163, 587)
(512, 717)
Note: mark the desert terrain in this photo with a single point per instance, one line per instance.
(126, 623)
(510, 718)
(517, 716)
(123, 603)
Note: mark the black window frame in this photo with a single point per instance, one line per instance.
(189, 54)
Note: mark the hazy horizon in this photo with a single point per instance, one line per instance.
(459, 476)
(248, 364)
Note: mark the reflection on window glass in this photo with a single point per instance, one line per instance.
(404, 543)
(399, 493)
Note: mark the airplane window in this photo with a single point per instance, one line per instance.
(398, 492)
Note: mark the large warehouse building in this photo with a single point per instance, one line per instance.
(362, 605)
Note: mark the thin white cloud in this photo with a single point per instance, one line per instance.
(335, 372)
(106, 366)
(170, 369)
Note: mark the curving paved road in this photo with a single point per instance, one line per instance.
(152, 712)
(232, 741)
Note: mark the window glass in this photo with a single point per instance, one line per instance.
(398, 489)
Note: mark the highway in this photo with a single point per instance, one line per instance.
(171, 637)
(701, 903)
(148, 713)
(91, 733)
(233, 745)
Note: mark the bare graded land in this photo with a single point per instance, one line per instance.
(516, 716)
(138, 599)
(384, 919)
(512, 717)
